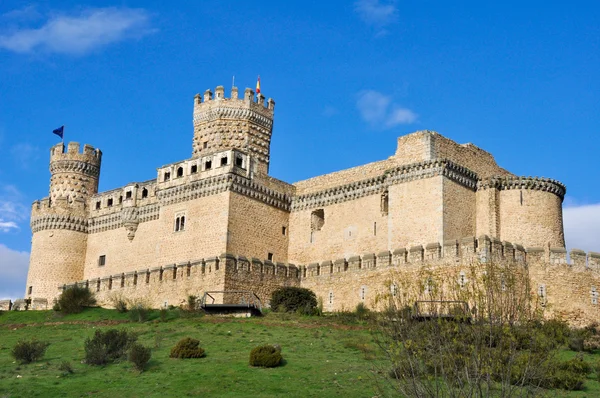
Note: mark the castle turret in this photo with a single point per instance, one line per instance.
(224, 123)
(59, 222)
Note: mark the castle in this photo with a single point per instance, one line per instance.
(218, 221)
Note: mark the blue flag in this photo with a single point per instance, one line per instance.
(59, 131)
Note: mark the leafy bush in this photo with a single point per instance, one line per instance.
(187, 348)
(576, 343)
(27, 351)
(139, 312)
(294, 299)
(139, 356)
(361, 311)
(267, 356)
(570, 375)
(108, 346)
(74, 299)
(66, 367)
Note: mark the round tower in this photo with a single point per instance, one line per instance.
(59, 222)
(531, 211)
(224, 123)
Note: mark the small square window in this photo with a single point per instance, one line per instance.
(98, 205)
(110, 202)
(207, 165)
(167, 176)
(224, 161)
(205, 144)
(270, 256)
(128, 195)
(239, 161)
(30, 290)
(102, 260)
(283, 230)
(194, 169)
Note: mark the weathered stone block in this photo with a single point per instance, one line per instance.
(558, 255)
(416, 254)
(433, 251)
(400, 256)
(451, 249)
(368, 261)
(340, 265)
(326, 267)
(384, 259)
(354, 263)
(578, 260)
(5, 305)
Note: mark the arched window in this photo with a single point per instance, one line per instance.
(144, 193)
(180, 172)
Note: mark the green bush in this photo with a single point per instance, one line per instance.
(74, 299)
(66, 367)
(27, 351)
(187, 348)
(139, 313)
(576, 343)
(570, 375)
(361, 311)
(294, 299)
(108, 346)
(267, 356)
(121, 306)
(139, 356)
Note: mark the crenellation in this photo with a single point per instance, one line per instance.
(558, 255)
(326, 267)
(578, 260)
(384, 259)
(415, 254)
(451, 248)
(433, 251)
(594, 261)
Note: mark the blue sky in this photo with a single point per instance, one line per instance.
(518, 79)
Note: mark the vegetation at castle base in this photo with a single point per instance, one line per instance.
(499, 346)
(74, 299)
(187, 348)
(294, 299)
(266, 356)
(329, 356)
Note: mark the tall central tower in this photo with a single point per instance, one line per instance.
(231, 123)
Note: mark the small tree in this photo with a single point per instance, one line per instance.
(27, 351)
(267, 356)
(293, 299)
(74, 299)
(187, 348)
(108, 346)
(139, 356)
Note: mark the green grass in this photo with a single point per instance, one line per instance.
(323, 357)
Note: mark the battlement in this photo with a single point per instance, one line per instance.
(249, 100)
(530, 183)
(467, 250)
(89, 155)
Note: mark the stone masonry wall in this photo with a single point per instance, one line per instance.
(156, 242)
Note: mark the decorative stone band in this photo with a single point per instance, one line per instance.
(222, 183)
(533, 183)
(75, 166)
(119, 218)
(217, 113)
(55, 221)
(359, 189)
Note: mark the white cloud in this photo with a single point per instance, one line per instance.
(378, 110)
(11, 210)
(582, 226)
(79, 33)
(377, 13)
(13, 272)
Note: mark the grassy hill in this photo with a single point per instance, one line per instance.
(324, 357)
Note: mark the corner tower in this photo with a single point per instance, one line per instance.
(59, 222)
(224, 123)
